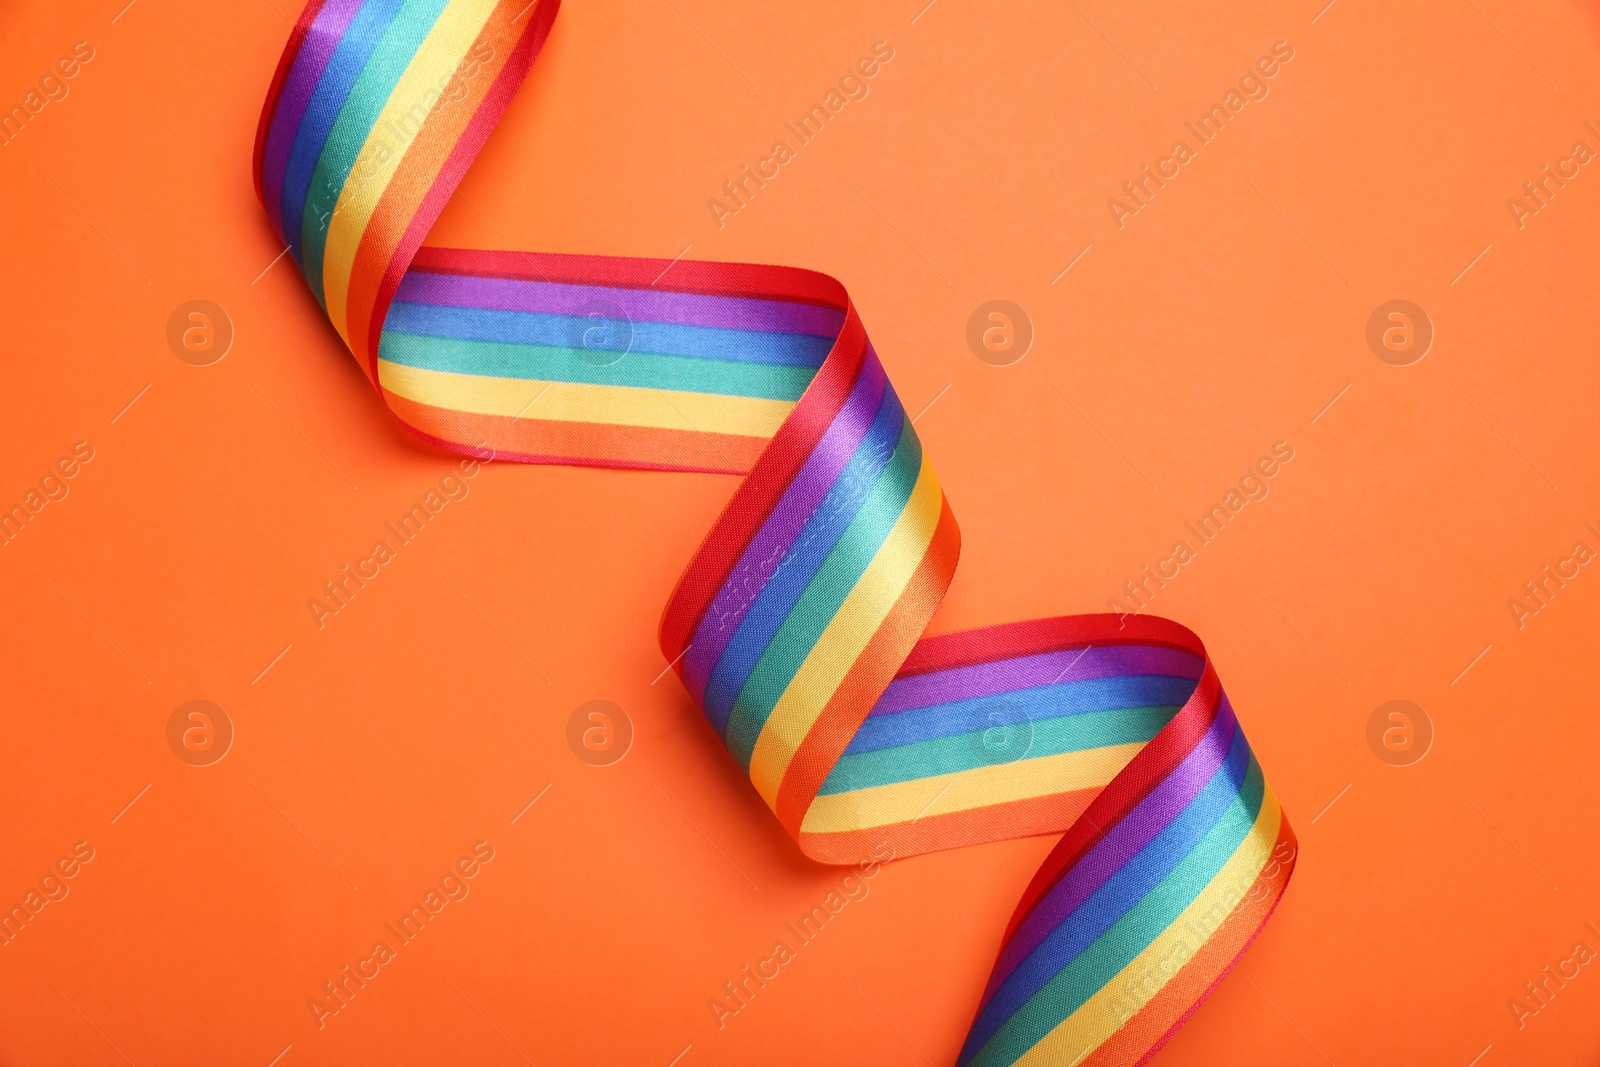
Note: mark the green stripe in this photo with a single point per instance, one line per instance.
(645, 370)
(811, 614)
(362, 105)
(963, 752)
(1130, 935)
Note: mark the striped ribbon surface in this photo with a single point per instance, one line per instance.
(797, 626)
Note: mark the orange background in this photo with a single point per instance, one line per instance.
(1220, 319)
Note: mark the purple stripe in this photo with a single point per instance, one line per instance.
(555, 298)
(1030, 672)
(785, 522)
(322, 37)
(1132, 833)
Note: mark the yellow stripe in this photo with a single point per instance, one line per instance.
(618, 405)
(1106, 1012)
(841, 644)
(980, 787)
(414, 95)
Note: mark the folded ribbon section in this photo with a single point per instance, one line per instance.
(797, 626)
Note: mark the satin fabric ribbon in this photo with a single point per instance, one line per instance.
(797, 626)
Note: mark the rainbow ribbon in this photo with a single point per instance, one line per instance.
(797, 626)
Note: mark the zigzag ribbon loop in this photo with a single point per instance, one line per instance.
(797, 627)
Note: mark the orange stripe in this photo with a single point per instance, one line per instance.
(1156, 1022)
(935, 833)
(871, 672)
(416, 175)
(582, 442)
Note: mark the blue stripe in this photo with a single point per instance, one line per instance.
(1121, 892)
(344, 66)
(801, 563)
(1040, 739)
(641, 370)
(1044, 702)
(367, 98)
(658, 338)
(819, 605)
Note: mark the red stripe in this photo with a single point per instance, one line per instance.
(1195, 981)
(297, 37)
(871, 673)
(987, 644)
(504, 87)
(1143, 773)
(700, 277)
(753, 502)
